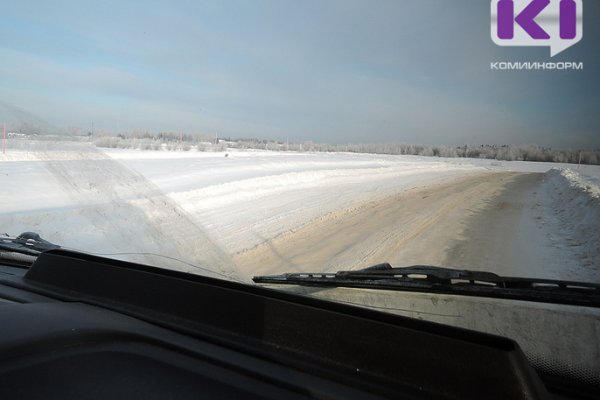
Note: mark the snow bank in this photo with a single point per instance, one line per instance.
(578, 182)
(575, 200)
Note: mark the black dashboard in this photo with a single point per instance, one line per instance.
(80, 326)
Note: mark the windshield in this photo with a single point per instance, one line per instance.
(237, 139)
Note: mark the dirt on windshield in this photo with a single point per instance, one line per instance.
(492, 222)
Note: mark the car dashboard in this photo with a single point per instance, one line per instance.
(75, 325)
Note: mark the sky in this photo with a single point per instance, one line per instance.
(411, 71)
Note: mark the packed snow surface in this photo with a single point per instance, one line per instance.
(179, 204)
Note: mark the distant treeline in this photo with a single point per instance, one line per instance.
(161, 141)
(186, 142)
(495, 152)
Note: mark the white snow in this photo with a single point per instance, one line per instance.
(583, 185)
(251, 196)
(574, 200)
(241, 200)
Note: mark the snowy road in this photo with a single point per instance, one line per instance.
(465, 223)
(266, 212)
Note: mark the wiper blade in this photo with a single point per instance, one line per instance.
(425, 278)
(25, 248)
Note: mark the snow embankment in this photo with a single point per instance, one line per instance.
(575, 202)
(580, 183)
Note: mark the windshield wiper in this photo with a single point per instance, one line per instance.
(424, 278)
(23, 249)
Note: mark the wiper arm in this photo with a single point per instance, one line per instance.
(24, 248)
(424, 278)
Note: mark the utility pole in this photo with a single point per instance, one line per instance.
(4, 145)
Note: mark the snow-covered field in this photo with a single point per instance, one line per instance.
(206, 208)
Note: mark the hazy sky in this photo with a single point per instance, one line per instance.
(414, 71)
